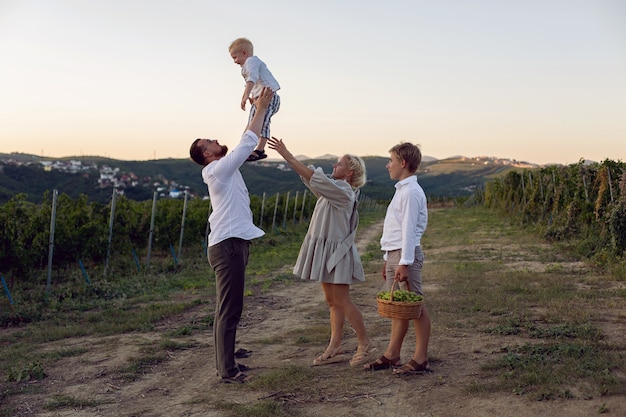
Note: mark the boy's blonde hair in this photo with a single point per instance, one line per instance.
(410, 153)
(242, 44)
(356, 164)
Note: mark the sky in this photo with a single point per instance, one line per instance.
(541, 81)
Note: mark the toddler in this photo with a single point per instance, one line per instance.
(257, 76)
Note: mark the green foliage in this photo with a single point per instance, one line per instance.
(586, 203)
(617, 224)
(82, 229)
(27, 372)
(19, 221)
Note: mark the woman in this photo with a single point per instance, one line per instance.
(328, 253)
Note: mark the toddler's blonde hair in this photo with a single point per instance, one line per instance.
(242, 44)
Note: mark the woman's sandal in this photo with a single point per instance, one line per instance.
(412, 368)
(362, 354)
(382, 363)
(329, 357)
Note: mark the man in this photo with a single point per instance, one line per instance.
(405, 223)
(232, 229)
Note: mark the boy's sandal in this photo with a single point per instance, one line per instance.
(256, 155)
(382, 363)
(412, 368)
(362, 354)
(239, 378)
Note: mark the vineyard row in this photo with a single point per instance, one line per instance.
(62, 232)
(582, 201)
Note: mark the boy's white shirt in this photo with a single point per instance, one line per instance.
(406, 220)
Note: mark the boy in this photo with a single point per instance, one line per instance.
(257, 76)
(405, 223)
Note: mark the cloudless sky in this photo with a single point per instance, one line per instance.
(541, 81)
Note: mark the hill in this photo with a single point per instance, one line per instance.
(95, 176)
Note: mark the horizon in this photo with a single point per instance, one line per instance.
(542, 82)
(425, 158)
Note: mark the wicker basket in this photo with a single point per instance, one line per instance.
(399, 309)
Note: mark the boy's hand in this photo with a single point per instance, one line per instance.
(243, 103)
(385, 271)
(402, 273)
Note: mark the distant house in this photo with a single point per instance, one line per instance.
(108, 173)
(74, 166)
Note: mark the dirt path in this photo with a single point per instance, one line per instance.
(185, 384)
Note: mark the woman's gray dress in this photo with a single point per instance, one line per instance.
(328, 252)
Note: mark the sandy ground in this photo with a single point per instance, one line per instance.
(185, 384)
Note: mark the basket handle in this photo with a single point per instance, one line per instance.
(395, 281)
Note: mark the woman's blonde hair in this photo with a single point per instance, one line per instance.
(357, 166)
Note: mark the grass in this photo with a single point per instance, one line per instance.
(495, 279)
(287, 380)
(316, 334)
(552, 345)
(284, 385)
(262, 408)
(65, 401)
